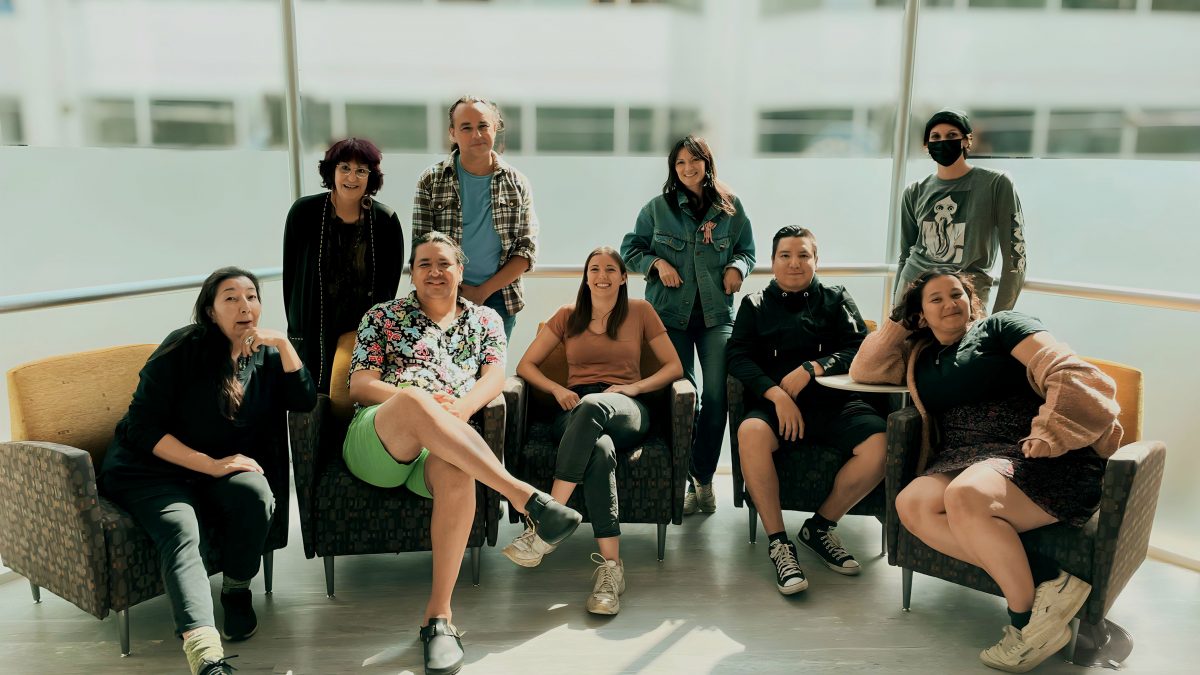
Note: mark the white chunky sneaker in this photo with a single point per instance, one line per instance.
(528, 549)
(610, 584)
(1017, 652)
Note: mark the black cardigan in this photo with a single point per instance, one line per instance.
(303, 239)
(776, 331)
(176, 395)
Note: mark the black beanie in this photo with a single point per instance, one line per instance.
(947, 116)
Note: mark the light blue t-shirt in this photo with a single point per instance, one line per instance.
(480, 240)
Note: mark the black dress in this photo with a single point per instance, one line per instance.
(983, 406)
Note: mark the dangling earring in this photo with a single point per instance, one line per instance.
(708, 179)
(366, 202)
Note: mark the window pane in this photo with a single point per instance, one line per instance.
(1169, 132)
(316, 126)
(1175, 5)
(681, 122)
(388, 125)
(1099, 4)
(575, 129)
(1002, 132)
(191, 122)
(510, 139)
(641, 130)
(1009, 3)
(1085, 132)
(815, 132)
(10, 122)
(924, 4)
(111, 122)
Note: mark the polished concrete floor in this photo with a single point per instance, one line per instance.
(711, 606)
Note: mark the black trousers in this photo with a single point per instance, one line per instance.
(175, 513)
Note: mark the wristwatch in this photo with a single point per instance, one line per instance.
(807, 365)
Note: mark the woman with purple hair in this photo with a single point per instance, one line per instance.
(342, 253)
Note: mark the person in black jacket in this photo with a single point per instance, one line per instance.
(784, 336)
(196, 447)
(342, 254)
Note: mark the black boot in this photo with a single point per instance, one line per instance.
(443, 648)
(553, 521)
(240, 620)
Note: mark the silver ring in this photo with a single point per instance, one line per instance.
(250, 340)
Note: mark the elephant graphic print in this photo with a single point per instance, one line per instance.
(942, 236)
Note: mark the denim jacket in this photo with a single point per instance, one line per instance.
(673, 233)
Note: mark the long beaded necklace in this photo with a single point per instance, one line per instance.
(367, 207)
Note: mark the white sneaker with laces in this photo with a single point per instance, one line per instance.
(1056, 602)
(1018, 652)
(610, 584)
(528, 549)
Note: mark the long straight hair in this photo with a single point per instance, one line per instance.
(579, 319)
(712, 190)
(218, 366)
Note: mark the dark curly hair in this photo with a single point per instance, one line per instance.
(358, 149)
(908, 312)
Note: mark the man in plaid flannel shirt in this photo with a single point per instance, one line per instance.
(483, 204)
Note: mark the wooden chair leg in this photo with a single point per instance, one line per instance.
(268, 570)
(882, 540)
(753, 520)
(123, 630)
(662, 541)
(37, 593)
(907, 589)
(475, 563)
(328, 575)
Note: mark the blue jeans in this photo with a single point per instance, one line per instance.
(496, 302)
(709, 343)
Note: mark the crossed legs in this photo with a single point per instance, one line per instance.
(976, 516)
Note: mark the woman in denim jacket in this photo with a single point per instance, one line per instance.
(694, 245)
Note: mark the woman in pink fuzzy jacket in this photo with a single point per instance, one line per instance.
(1015, 435)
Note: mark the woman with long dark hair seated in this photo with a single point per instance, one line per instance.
(191, 450)
(602, 334)
(1016, 429)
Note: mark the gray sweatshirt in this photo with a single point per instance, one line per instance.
(962, 223)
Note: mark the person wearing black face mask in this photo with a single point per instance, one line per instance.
(962, 216)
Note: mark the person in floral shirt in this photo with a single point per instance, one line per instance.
(422, 366)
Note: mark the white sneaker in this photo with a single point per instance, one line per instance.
(699, 499)
(1019, 653)
(1056, 602)
(610, 584)
(527, 549)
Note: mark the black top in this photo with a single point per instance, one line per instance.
(176, 394)
(775, 331)
(979, 367)
(314, 260)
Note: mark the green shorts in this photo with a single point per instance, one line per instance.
(370, 462)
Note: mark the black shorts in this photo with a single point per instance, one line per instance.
(843, 422)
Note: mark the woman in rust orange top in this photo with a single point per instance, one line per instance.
(603, 334)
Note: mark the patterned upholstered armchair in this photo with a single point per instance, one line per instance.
(342, 515)
(1105, 552)
(55, 529)
(805, 477)
(650, 478)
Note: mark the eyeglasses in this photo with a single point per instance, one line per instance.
(345, 170)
